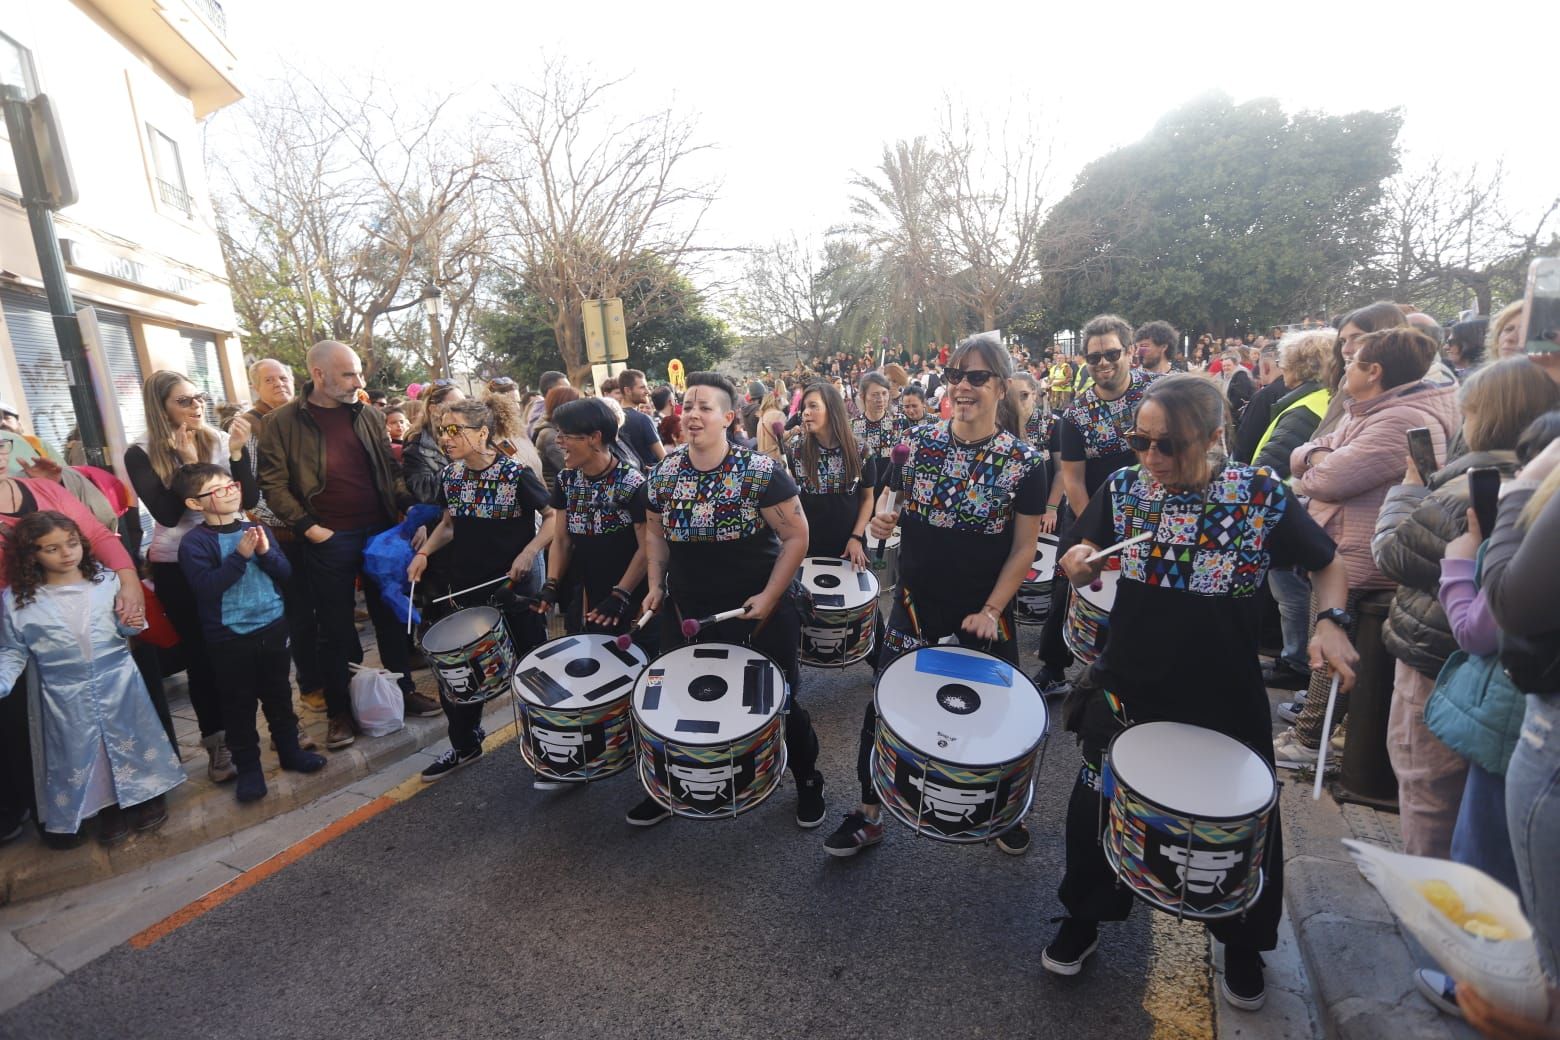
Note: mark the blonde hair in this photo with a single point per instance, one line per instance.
(1308, 354)
(1501, 399)
(159, 431)
(1540, 498)
(1503, 317)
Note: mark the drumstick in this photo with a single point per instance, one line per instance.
(691, 626)
(1321, 753)
(474, 588)
(900, 455)
(625, 640)
(409, 595)
(1145, 536)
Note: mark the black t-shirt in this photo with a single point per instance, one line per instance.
(1182, 642)
(493, 512)
(830, 501)
(600, 513)
(956, 520)
(639, 431)
(1094, 431)
(721, 549)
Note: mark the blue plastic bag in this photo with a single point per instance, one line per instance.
(389, 553)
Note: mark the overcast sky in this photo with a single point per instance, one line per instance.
(798, 95)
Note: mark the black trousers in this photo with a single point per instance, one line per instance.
(1053, 648)
(16, 778)
(778, 638)
(179, 604)
(255, 669)
(303, 628)
(1089, 889)
(332, 568)
(527, 630)
(899, 622)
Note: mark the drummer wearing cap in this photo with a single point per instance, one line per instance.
(973, 492)
(1215, 528)
(724, 529)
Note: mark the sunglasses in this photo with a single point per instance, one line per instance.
(453, 429)
(977, 378)
(1166, 446)
(1112, 356)
(193, 399)
(221, 489)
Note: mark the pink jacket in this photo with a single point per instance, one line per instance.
(1367, 454)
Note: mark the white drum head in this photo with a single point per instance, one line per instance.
(461, 628)
(961, 706)
(1191, 770)
(708, 693)
(1044, 567)
(576, 672)
(836, 584)
(1105, 598)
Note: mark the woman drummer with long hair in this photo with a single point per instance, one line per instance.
(1215, 527)
(971, 496)
(834, 487)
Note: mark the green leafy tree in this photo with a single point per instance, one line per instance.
(1223, 216)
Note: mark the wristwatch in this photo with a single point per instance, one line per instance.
(1338, 616)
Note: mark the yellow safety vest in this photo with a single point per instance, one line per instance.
(1316, 401)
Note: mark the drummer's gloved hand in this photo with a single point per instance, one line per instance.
(611, 610)
(547, 598)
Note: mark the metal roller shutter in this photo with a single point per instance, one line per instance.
(44, 382)
(205, 370)
(125, 367)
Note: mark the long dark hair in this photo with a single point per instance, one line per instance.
(1373, 317)
(23, 571)
(839, 426)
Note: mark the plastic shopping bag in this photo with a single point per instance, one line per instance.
(377, 701)
(1470, 923)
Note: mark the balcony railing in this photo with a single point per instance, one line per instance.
(212, 10)
(173, 195)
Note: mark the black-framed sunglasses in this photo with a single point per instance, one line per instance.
(501, 383)
(192, 399)
(1094, 360)
(1166, 446)
(453, 429)
(978, 377)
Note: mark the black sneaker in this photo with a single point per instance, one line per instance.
(1073, 944)
(854, 833)
(448, 762)
(1051, 682)
(1014, 842)
(648, 813)
(12, 823)
(1281, 675)
(810, 810)
(1242, 984)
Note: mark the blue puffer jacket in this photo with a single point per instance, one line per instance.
(1476, 710)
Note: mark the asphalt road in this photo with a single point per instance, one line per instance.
(483, 908)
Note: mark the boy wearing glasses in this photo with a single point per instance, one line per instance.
(236, 573)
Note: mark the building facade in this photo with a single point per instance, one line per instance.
(131, 81)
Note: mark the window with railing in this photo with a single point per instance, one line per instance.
(173, 196)
(168, 172)
(213, 13)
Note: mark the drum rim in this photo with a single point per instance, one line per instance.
(520, 696)
(422, 640)
(1114, 862)
(1045, 712)
(785, 701)
(1267, 807)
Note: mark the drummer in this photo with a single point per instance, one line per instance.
(491, 504)
(912, 405)
(834, 488)
(724, 529)
(1092, 441)
(878, 428)
(973, 492)
(596, 563)
(1217, 527)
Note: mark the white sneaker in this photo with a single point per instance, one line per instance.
(1289, 753)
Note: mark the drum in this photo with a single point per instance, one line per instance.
(1033, 604)
(958, 740)
(710, 730)
(471, 655)
(1189, 816)
(571, 707)
(839, 612)
(887, 569)
(1088, 618)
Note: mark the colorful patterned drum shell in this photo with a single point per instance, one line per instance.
(1033, 603)
(471, 655)
(1088, 618)
(958, 737)
(1189, 816)
(839, 612)
(709, 727)
(571, 703)
(885, 570)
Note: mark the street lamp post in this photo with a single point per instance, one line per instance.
(430, 301)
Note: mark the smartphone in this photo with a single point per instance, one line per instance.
(1541, 315)
(1422, 451)
(1484, 492)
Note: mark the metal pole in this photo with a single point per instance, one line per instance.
(51, 265)
(440, 359)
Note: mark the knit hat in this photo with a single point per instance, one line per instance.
(757, 390)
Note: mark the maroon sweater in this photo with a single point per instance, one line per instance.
(349, 500)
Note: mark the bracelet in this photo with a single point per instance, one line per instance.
(994, 611)
(620, 592)
(1052, 507)
(420, 553)
(861, 538)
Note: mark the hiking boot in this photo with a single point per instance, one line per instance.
(420, 707)
(219, 761)
(810, 809)
(854, 833)
(448, 762)
(1242, 985)
(648, 813)
(340, 733)
(1073, 944)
